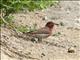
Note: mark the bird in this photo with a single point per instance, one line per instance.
(43, 32)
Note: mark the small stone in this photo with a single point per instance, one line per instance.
(45, 18)
(75, 46)
(4, 36)
(59, 33)
(34, 40)
(71, 50)
(43, 54)
(61, 23)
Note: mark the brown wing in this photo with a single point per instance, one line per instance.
(41, 31)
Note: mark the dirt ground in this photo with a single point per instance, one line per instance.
(65, 37)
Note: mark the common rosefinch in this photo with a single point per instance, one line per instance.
(43, 32)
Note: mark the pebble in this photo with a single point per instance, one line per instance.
(71, 50)
(61, 23)
(45, 18)
(34, 40)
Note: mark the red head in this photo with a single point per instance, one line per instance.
(50, 25)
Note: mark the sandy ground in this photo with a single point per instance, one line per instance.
(66, 14)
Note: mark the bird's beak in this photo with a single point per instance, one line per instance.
(56, 24)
